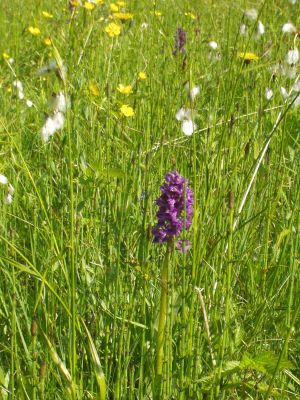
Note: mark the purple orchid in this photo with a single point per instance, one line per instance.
(175, 208)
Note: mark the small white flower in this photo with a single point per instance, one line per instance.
(284, 92)
(144, 25)
(269, 93)
(29, 103)
(183, 113)
(260, 29)
(289, 28)
(194, 92)
(3, 180)
(292, 56)
(8, 199)
(188, 127)
(251, 14)
(243, 30)
(213, 45)
(58, 102)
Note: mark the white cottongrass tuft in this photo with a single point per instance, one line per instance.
(19, 87)
(289, 28)
(243, 30)
(3, 180)
(29, 103)
(213, 45)
(58, 102)
(188, 127)
(194, 92)
(269, 93)
(284, 92)
(292, 56)
(8, 199)
(251, 14)
(183, 113)
(260, 29)
(52, 124)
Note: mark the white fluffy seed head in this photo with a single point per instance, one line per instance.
(183, 113)
(251, 14)
(243, 30)
(260, 29)
(188, 127)
(18, 85)
(292, 56)
(269, 93)
(3, 180)
(194, 92)
(29, 103)
(8, 199)
(289, 28)
(213, 45)
(284, 92)
(58, 102)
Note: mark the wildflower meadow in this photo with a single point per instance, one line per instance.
(149, 197)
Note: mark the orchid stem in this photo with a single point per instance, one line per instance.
(162, 323)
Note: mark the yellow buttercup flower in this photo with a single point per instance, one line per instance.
(114, 7)
(34, 31)
(121, 3)
(47, 41)
(93, 88)
(142, 76)
(127, 90)
(123, 16)
(89, 6)
(191, 15)
(47, 15)
(246, 56)
(113, 29)
(5, 56)
(127, 111)
(157, 13)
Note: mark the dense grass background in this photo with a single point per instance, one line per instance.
(79, 272)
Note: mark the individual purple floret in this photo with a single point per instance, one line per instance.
(175, 208)
(180, 40)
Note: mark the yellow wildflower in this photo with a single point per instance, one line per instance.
(114, 7)
(191, 15)
(127, 111)
(113, 29)
(121, 3)
(142, 76)
(9, 89)
(123, 16)
(127, 90)
(5, 56)
(157, 13)
(34, 31)
(47, 15)
(248, 56)
(47, 41)
(93, 88)
(89, 6)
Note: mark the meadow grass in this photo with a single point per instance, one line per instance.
(81, 277)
